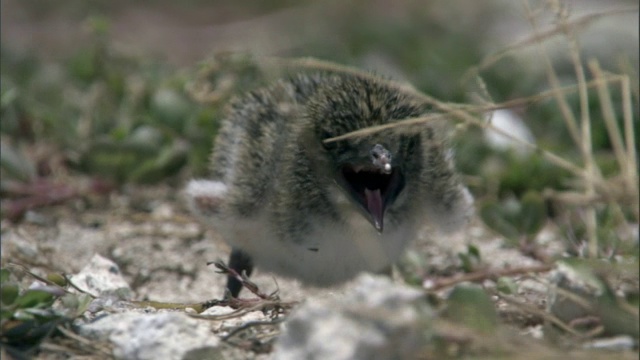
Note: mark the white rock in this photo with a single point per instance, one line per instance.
(218, 311)
(377, 319)
(618, 343)
(511, 123)
(101, 275)
(168, 335)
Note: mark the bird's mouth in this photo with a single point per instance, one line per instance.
(373, 189)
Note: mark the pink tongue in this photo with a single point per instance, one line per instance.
(373, 200)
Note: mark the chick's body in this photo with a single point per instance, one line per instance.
(323, 212)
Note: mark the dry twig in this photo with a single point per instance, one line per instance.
(479, 276)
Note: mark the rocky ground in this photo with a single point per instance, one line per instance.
(142, 239)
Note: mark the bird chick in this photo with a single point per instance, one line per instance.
(321, 211)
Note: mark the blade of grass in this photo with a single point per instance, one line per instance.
(591, 169)
(455, 110)
(552, 76)
(609, 117)
(630, 139)
(464, 113)
(579, 22)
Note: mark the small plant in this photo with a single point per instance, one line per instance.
(28, 315)
(519, 221)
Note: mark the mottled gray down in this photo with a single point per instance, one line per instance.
(324, 211)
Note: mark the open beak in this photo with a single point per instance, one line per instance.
(374, 188)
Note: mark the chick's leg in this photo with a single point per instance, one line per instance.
(239, 261)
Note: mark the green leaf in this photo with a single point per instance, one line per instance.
(23, 315)
(57, 279)
(4, 275)
(170, 108)
(147, 136)
(34, 298)
(533, 213)
(170, 160)
(84, 300)
(117, 160)
(6, 314)
(470, 306)
(506, 285)
(8, 97)
(470, 259)
(583, 272)
(10, 293)
(474, 251)
(495, 217)
(43, 314)
(589, 280)
(27, 334)
(514, 219)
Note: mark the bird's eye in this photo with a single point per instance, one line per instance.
(375, 155)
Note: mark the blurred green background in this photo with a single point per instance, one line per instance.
(106, 88)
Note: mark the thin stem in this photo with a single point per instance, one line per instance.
(630, 138)
(609, 117)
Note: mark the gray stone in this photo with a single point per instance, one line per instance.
(570, 281)
(100, 276)
(167, 335)
(617, 343)
(376, 319)
(511, 123)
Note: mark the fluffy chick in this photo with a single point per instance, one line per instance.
(323, 212)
